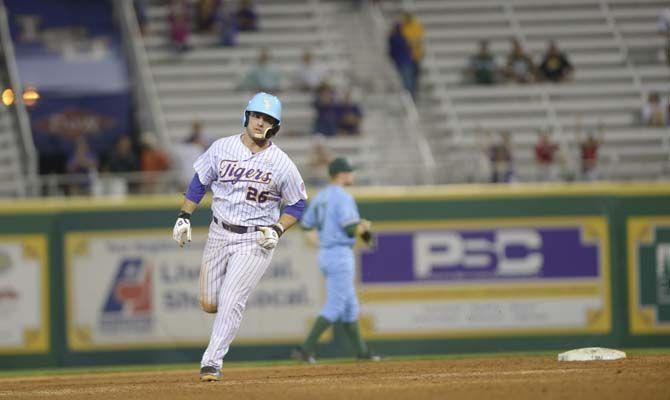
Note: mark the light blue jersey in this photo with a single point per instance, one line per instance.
(331, 211)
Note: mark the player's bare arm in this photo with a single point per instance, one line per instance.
(188, 206)
(287, 221)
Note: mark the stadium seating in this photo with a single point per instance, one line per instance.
(203, 83)
(609, 86)
(612, 43)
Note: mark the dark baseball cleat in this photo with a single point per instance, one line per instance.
(209, 374)
(301, 355)
(370, 357)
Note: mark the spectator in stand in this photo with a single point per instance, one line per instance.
(545, 152)
(189, 150)
(262, 77)
(413, 31)
(655, 112)
(482, 68)
(401, 54)
(589, 156)
(308, 76)
(555, 66)
(123, 159)
(350, 116)
(589, 151)
(197, 136)
(317, 175)
(153, 161)
(247, 17)
(227, 26)
(520, 67)
(80, 165)
(180, 25)
(502, 162)
(208, 12)
(325, 105)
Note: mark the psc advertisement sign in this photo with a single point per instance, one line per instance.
(649, 274)
(138, 289)
(24, 294)
(487, 277)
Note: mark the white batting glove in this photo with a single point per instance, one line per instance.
(182, 231)
(270, 236)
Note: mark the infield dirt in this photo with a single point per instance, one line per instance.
(638, 377)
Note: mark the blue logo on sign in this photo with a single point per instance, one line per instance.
(129, 302)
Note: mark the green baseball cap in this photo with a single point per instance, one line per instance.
(340, 164)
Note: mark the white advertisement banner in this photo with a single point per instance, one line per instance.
(24, 294)
(459, 318)
(138, 289)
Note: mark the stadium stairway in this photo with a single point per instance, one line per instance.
(11, 170)
(18, 161)
(609, 87)
(395, 156)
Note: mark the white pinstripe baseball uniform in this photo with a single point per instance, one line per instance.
(247, 191)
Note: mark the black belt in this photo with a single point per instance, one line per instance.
(235, 228)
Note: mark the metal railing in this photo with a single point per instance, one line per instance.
(105, 184)
(447, 104)
(29, 154)
(412, 120)
(623, 49)
(145, 89)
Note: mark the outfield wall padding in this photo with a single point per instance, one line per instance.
(456, 269)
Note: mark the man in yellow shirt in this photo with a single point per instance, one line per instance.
(412, 30)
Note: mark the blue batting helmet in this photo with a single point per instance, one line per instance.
(267, 104)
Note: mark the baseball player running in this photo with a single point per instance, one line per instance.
(334, 214)
(250, 177)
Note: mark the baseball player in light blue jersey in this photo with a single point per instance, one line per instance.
(250, 178)
(334, 214)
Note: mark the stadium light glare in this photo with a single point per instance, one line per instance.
(8, 97)
(30, 96)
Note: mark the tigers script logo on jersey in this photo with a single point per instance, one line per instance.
(129, 302)
(229, 171)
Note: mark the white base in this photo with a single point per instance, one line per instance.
(591, 354)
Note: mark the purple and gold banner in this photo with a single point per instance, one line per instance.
(488, 277)
(481, 254)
